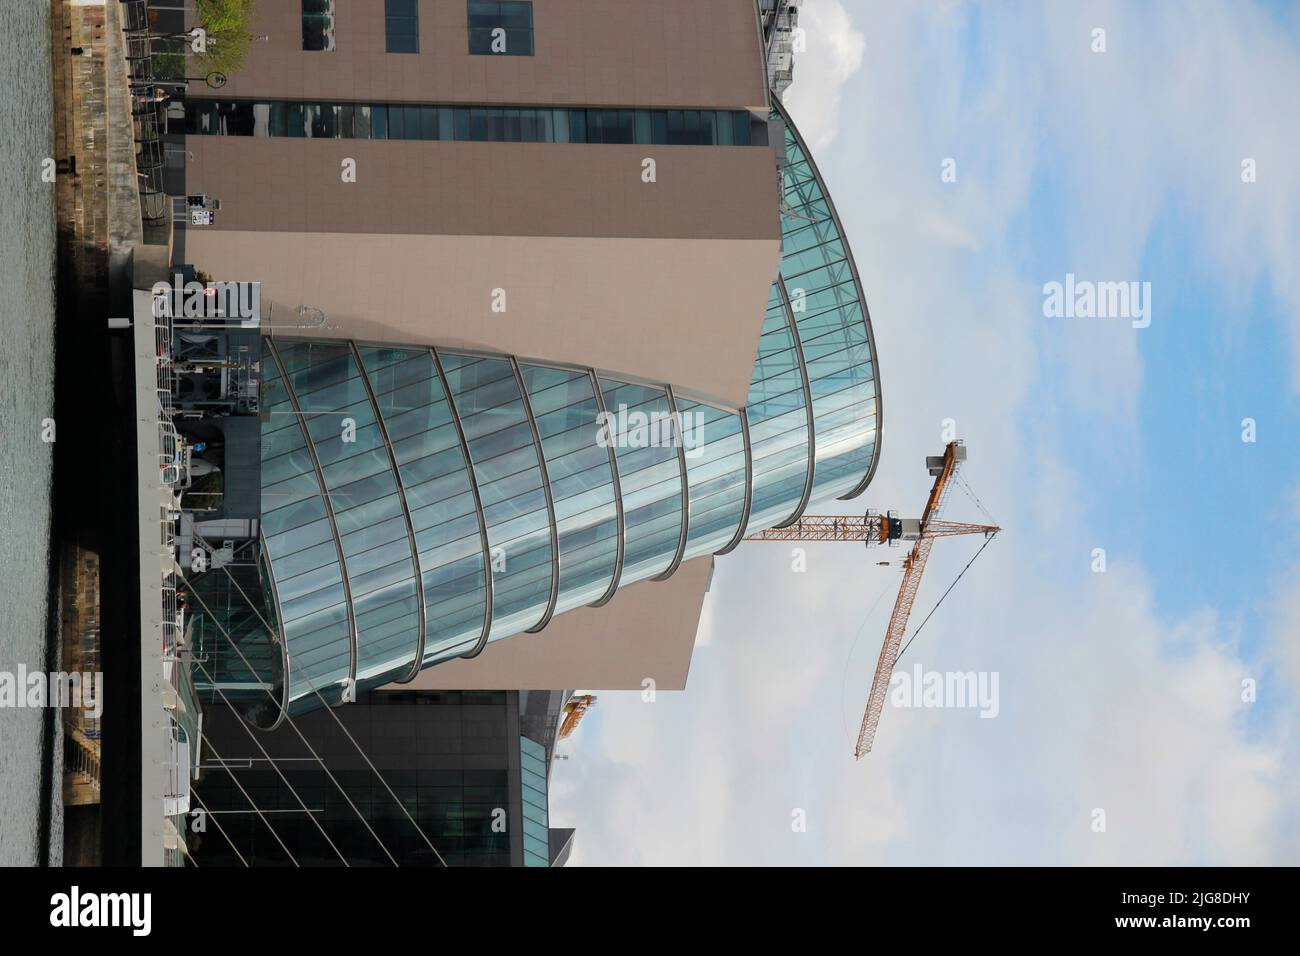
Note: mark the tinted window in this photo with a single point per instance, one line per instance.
(500, 27)
(401, 26)
(318, 24)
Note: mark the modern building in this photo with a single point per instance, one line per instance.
(416, 778)
(554, 308)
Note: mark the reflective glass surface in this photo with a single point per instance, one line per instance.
(582, 485)
(500, 27)
(640, 427)
(401, 26)
(303, 556)
(532, 763)
(828, 309)
(362, 488)
(486, 395)
(715, 472)
(436, 480)
(778, 422)
(350, 536)
(495, 123)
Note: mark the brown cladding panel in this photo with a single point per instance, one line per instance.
(701, 53)
(493, 189)
(646, 632)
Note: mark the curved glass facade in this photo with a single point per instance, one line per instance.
(419, 503)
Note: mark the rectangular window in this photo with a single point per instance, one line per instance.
(496, 124)
(401, 26)
(396, 122)
(501, 27)
(741, 128)
(318, 24)
(644, 126)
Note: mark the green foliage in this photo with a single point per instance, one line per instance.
(169, 65)
(229, 24)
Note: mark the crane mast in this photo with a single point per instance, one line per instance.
(888, 529)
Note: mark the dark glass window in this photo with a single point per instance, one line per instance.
(428, 122)
(318, 24)
(691, 123)
(577, 126)
(494, 124)
(528, 126)
(296, 124)
(741, 121)
(414, 128)
(676, 128)
(279, 122)
(726, 130)
(478, 124)
(659, 127)
(513, 128)
(347, 122)
(501, 27)
(401, 26)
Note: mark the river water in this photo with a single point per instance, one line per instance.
(27, 310)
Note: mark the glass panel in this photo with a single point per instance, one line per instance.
(832, 329)
(314, 622)
(401, 26)
(715, 472)
(577, 126)
(659, 127)
(340, 419)
(318, 24)
(506, 465)
(501, 124)
(640, 427)
(582, 485)
(778, 425)
(435, 476)
(740, 128)
(500, 28)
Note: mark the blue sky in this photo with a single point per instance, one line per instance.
(1119, 691)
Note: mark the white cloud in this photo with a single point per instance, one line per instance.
(834, 54)
(1105, 701)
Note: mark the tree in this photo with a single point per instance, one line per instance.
(229, 25)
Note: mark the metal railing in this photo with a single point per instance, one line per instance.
(148, 114)
(80, 759)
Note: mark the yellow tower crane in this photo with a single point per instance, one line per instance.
(888, 528)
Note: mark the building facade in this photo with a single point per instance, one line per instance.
(416, 778)
(544, 364)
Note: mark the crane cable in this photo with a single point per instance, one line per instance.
(972, 496)
(987, 542)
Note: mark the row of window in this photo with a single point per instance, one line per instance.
(496, 27)
(468, 123)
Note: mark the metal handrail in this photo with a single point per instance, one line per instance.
(147, 113)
